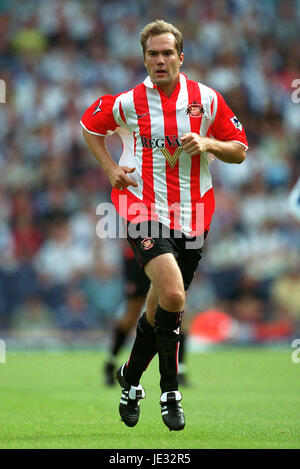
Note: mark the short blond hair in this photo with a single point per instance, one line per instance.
(158, 27)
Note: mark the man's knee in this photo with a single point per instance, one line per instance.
(167, 279)
(172, 298)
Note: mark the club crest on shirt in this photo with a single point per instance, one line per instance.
(195, 109)
(147, 243)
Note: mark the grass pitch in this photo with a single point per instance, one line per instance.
(240, 398)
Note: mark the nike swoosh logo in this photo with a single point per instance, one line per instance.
(142, 115)
(98, 108)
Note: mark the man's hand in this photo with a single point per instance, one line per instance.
(116, 174)
(193, 144)
(227, 151)
(119, 179)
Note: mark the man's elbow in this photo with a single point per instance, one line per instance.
(241, 157)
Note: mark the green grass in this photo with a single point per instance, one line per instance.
(241, 398)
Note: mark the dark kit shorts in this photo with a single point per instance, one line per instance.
(151, 239)
(136, 281)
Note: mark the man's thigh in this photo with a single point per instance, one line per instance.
(167, 280)
(164, 272)
(147, 248)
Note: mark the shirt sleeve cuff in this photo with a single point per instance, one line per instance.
(241, 143)
(90, 132)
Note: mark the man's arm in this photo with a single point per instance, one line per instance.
(115, 173)
(229, 152)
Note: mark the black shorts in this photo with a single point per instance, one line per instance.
(136, 281)
(187, 251)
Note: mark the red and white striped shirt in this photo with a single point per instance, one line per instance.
(150, 124)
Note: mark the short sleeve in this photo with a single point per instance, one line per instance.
(98, 119)
(226, 126)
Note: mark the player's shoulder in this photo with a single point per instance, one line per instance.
(124, 98)
(104, 104)
(127, 99)
(110, 103)
(211, 92)
(136, 90)
(206, 91)
(110, 99)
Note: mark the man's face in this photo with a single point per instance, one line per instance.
(162, 60)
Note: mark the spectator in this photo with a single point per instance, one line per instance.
(33, 319)
(75, 315)
(56, 57)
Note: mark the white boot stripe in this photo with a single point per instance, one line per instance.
(164, 396)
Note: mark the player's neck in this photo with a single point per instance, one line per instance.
(169, 88)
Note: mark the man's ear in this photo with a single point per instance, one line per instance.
(181, 57)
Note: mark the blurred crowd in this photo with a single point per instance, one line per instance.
(56, 58)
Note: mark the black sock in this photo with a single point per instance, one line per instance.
(181, 354)
(167, 330)
(118, 340)
(143, 350)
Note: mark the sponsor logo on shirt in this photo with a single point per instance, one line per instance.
(165, 144)
(171, 141)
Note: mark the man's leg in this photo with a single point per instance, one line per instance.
(182, 369)
(164, 315)
(144, 347)
(143, 350)
(151, 304)
(136, 287)
(166, 278)
(120, 334)
(158, 329)
(151, 307)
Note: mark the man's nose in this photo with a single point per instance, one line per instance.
(160, 59)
